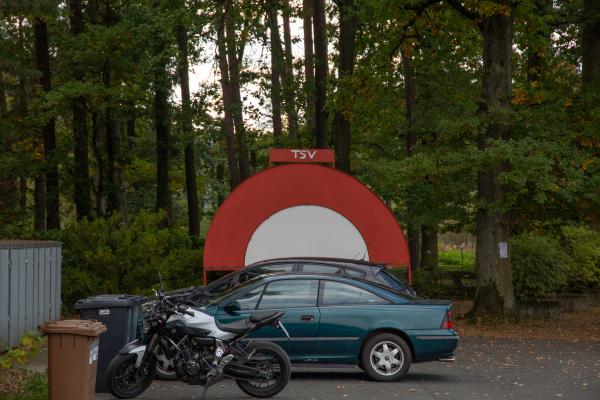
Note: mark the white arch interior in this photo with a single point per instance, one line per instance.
(306, 231)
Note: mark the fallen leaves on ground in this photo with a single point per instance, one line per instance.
(574, 326)
(12, 380)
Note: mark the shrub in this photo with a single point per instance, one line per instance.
(110, 256)
(583, 247)
(540, 266)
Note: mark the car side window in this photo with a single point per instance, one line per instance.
(321, 269)
(338, 293)
(264, 269)
(354, 273)
(249, 300)
(290, 293)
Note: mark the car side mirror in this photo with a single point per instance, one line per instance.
(233, 307)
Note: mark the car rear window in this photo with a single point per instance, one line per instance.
(321, 269)
(338, 293)
(390, 280)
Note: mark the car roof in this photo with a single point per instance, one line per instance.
(311, 275)
(322, 260)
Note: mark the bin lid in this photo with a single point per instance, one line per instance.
(75, 327)
(109, 300)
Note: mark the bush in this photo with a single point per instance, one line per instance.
(583, 246)
(110, 256)
(540, 266)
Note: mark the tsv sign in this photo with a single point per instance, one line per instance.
(301, 156)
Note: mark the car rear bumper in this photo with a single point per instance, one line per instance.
(435, 345)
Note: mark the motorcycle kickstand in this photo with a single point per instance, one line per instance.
(204, 391)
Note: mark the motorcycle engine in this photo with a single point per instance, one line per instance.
(192, 362)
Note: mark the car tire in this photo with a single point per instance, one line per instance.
(386, 357)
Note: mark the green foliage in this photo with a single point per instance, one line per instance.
(30, 346)
(457, 260)
(111, 256)
(583, 247)
(539, 266)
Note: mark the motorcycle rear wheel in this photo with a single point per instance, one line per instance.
(273, 361)
(124, 380)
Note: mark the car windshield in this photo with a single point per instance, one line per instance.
(390, 280)
(234, 290)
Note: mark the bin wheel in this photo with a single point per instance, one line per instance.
(124, 380)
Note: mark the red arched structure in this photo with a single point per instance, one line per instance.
(284, 186)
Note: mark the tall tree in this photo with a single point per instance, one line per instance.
(81, 174)
(162, 125)
(410, 97)
(309, 65)
(494, 293)
(227, 124)
(188, 130)
(347, 41)
(49, 130)
(321, 68)
(590, 45)
(288, 82)
(233, 57)
(276, 68)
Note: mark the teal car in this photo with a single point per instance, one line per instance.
(339, 320)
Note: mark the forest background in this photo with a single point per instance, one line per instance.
(463, 116)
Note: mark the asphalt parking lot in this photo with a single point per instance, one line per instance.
(485, 369)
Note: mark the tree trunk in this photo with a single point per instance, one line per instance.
(536, 59)
(227, 125)
(2, 95)
(590, 46)
(276, 70)
(22, 196)
(188, 131)
(348, 26)
(39, 203)
(99, 166)
(81, 174)
(163, 142)
(49, 130)
(410, 95)
(309, 66)
(289, 85)
(236, 98)
(320, 73)
(429, 248)
(494, 294)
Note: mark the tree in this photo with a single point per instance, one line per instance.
(49, 129)
(309, 65)
(347, 40)
(320, 73)
(188, 130)
(276, 69)
(81, 174)
(289, 85)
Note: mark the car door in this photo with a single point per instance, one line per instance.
(344, 309)
(297, 298)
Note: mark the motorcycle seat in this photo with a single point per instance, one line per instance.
(234, 327)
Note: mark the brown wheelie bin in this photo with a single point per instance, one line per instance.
(72, 358)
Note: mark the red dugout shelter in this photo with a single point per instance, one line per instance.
(302, 209)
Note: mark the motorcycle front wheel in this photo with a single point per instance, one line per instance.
(274, 366)
(124, 380)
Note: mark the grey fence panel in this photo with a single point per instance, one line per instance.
(4, 285)
(30, 287)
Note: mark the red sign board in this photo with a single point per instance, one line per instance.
(301, 156)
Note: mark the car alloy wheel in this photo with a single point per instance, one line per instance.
(387, 358)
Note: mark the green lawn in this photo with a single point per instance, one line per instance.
(457, 260)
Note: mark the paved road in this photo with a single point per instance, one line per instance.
(485, 369)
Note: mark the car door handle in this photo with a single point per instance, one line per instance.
(307, 318)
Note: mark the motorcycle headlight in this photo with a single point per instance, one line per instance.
(145, 327)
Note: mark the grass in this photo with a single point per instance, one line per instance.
(457, 260)
(25, 385)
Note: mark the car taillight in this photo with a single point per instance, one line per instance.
(447, 322)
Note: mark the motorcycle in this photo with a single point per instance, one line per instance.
(202, 351)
